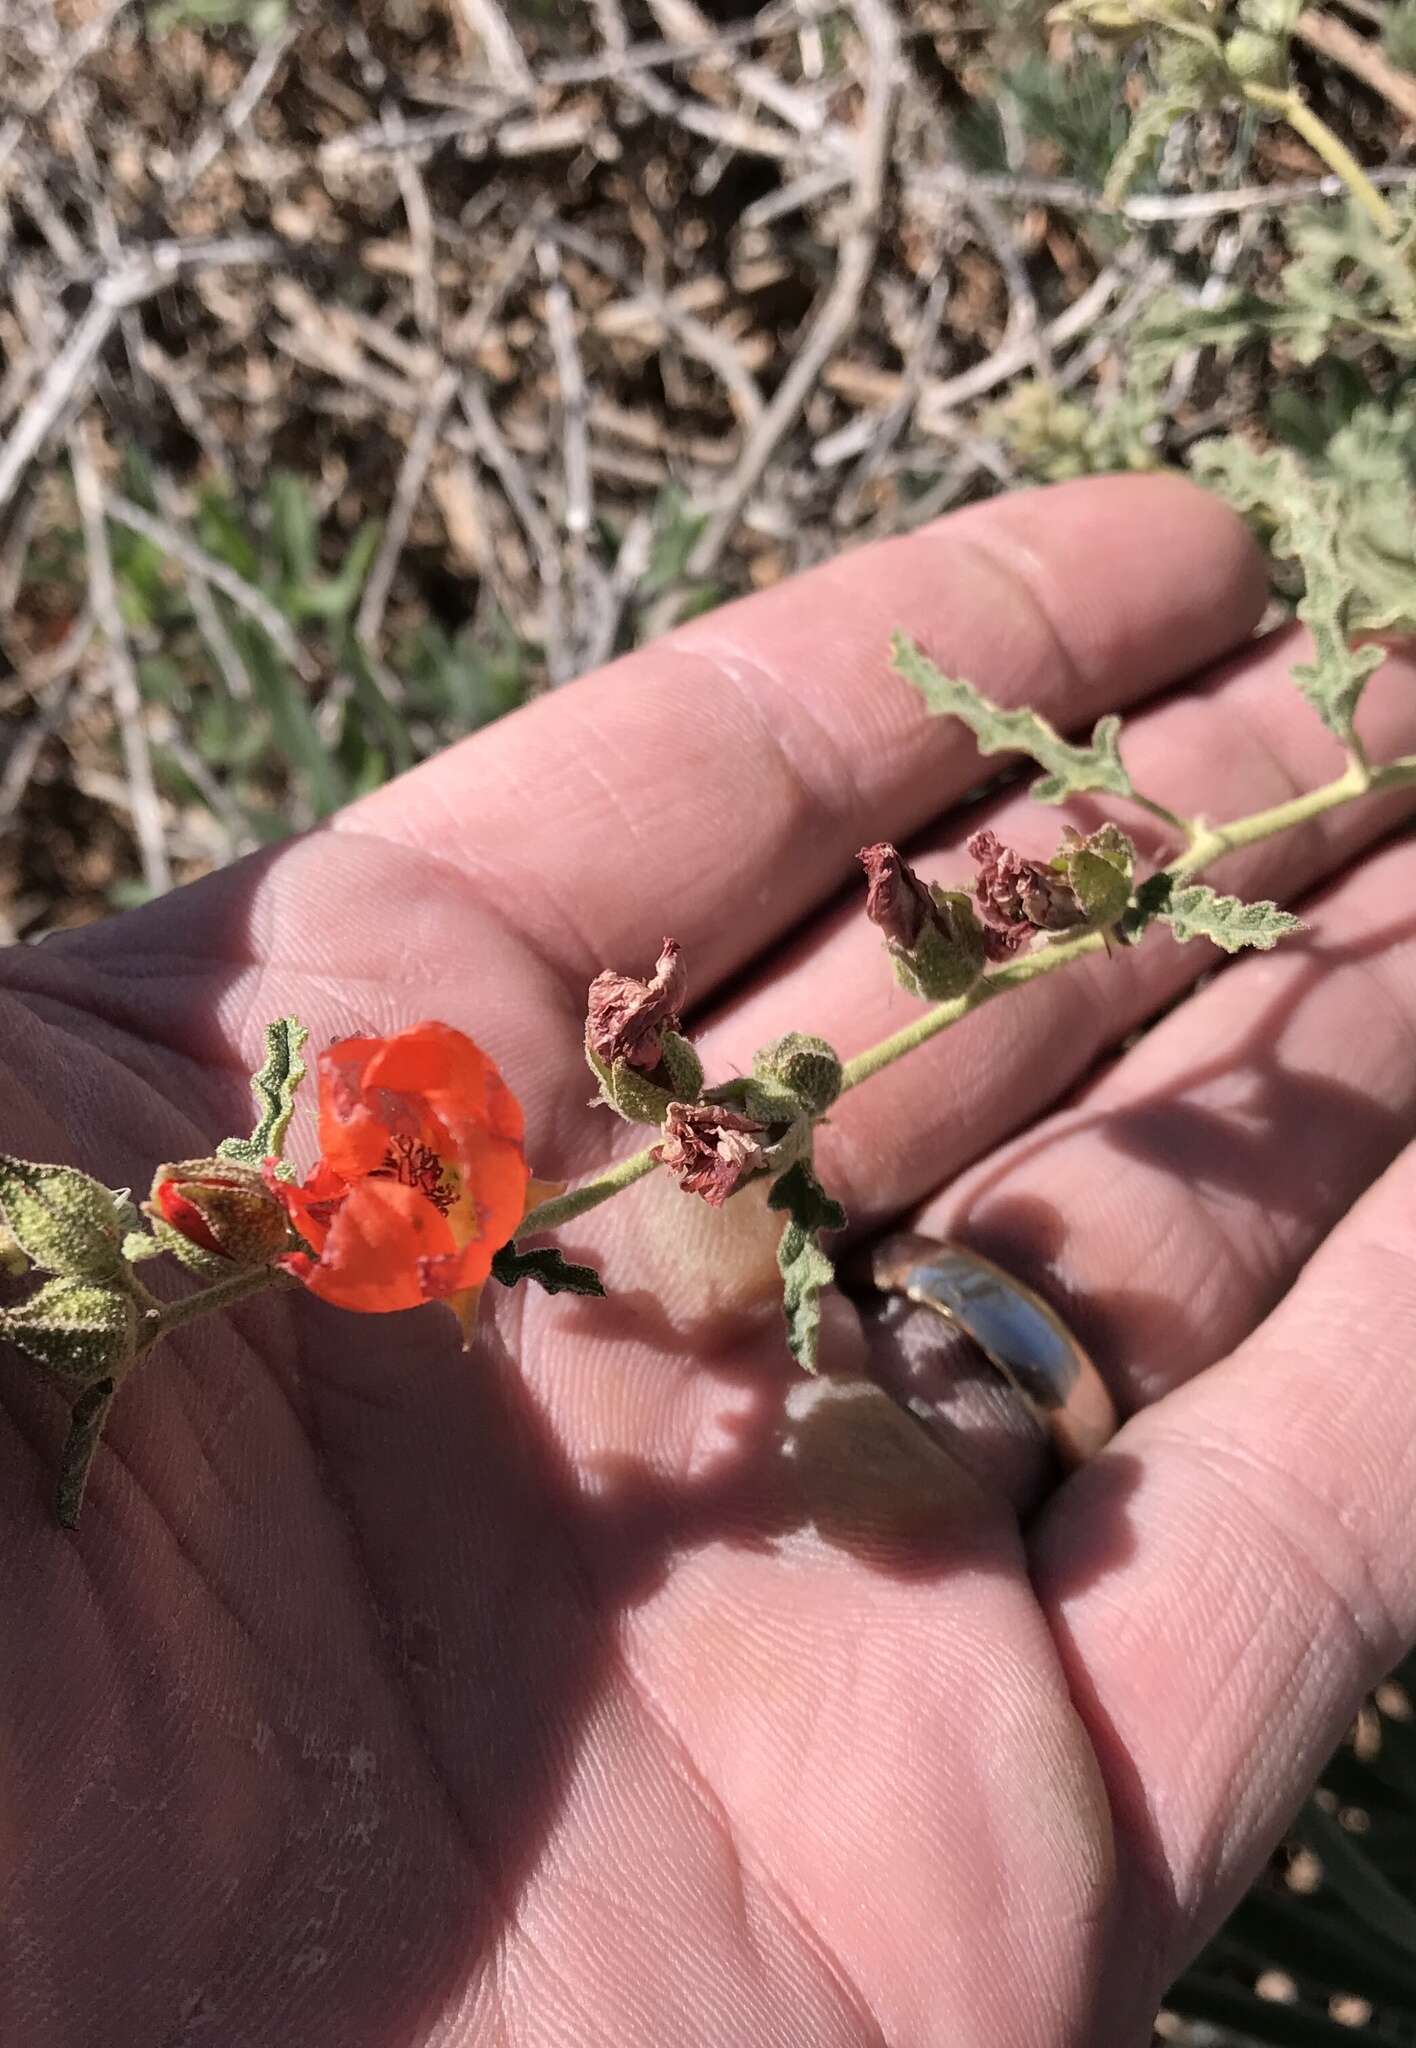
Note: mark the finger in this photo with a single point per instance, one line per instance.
(1240, 744)
(1166, 1211)
(1232, 1573)
(716, 784)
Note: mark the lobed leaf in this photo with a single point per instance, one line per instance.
(1196, 911)
(1306, 514)
(806, 1270)
(1071, 770)
(549, 1269)
(273, 1086)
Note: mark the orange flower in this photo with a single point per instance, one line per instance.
(421, 1178)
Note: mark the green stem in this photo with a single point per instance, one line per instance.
(1206, 844)
(167, 1316)
(921, 1029)
(1294, 109)
(589, 1195)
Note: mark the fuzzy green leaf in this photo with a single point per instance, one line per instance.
(549, 1269)
(1306, 515)
(1198, 912)
(274, 1088)
(806, 1269)
(61, 1219)
(75, 1328)
(1071, 770)
(801, 1194)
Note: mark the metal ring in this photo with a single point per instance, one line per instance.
(1020, 1334)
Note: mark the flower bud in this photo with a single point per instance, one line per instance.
(78, 1329)
(932, 935)
(710, 1149)
(214, 1214)
(1098, 867)
(626, 1019)
(1256, 58)
(805, 1069)
(950, 954)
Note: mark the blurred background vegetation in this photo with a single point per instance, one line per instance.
(368, 368)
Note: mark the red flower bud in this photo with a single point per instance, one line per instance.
(221, 1207)
(896, 900)
(1018, 897)
(626, 1018)
(710, 1150)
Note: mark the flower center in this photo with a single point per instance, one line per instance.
(418, 1166)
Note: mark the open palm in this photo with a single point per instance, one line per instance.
(612, 1684)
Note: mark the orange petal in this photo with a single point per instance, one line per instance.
(310, 1205)
(381, 1239)
(454, 1077)
(354, 1132)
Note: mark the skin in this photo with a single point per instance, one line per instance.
(612, 1684)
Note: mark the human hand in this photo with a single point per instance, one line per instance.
(614, 1684)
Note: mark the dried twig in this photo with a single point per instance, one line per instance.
(236, 113)
(695, 336)
(506, 60)
(422, 442)
(210, 623)
(1363, 56)
(220, 575)
(492, 446)
(132, 281)
(122, 675)
(838, 309)
(1144, 209)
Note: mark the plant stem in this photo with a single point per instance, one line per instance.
(169, 1315)
(1206, 844)
(920, 1029)
(1334, 152)
(589, 1195)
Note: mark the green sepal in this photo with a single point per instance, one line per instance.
(195, 1257)
(549, 1269)
(77, 1329)
(1071, 770)
(139, 1245)
(806, 1270)
(1099, 868)
(61, 1219)
(629, 1093)
(681, 1066)
(1199, 912)
(273, 1085)
(806, 1070)
(948, 956)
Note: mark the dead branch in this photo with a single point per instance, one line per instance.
(838, 310)
(122, 675)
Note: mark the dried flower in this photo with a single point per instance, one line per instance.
(1018, 897)
(223, 1209)
(422, 1177)
(896, 900)
(932, 935)
(711, 1150)
(626, 1019)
